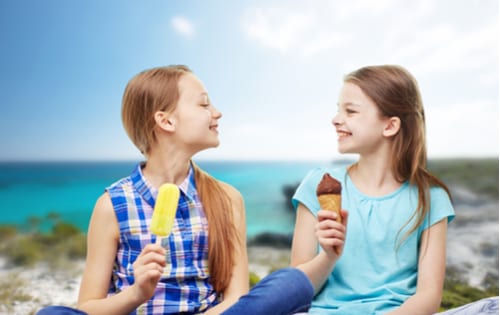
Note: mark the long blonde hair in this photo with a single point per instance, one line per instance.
(396, 94)
(157, 90)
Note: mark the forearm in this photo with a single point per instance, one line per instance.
(423, 303)
(124, 302)
(318, 269)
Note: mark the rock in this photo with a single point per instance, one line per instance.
(272, 240)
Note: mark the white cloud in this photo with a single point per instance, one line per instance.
(354, 9)
(419, 33)
(463, 129)
(277, 29)
(451, 48)
(446, 49)
(183, 26)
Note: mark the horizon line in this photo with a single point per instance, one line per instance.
(104, 160)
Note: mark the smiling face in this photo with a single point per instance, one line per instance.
(195, 119)
(359, 124)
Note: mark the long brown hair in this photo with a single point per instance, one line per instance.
(396, 94)
(157, 90)
(222, 234)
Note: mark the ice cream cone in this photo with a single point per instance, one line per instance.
(331, 202)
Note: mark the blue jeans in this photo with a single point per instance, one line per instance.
(285, 291)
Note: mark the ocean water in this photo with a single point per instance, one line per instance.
(35, 189)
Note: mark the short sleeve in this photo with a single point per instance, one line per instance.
(440, 207)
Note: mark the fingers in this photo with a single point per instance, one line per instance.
(345, 216)
(151, 253)
(327, 215)
(148, 269)
(152, 269)
(328, 220)
(153, 248)
(330, 233)
(332, 215)
(150, 263)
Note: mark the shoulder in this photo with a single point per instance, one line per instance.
(306, 191)
(104, 201)
(104, 206)
(437, 192)
(119, 193)
(103, 216)
(440, 205)
(119, 184)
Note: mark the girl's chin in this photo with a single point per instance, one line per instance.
(342, 150)
(212, 145)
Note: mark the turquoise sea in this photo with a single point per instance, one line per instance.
(34, 189)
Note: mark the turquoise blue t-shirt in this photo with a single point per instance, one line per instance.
(373, 275)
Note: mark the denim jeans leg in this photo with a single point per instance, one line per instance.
(285, 291)
(59, 310)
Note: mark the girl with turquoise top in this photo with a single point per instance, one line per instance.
(388, 255)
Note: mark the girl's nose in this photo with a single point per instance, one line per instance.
(216, 114)
(336, 120)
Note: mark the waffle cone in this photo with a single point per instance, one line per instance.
(331, 202)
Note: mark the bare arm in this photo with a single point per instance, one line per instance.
(431, 272)
(102, 244)
(239, 283)
(308, 234)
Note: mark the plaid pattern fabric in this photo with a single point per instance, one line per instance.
(184, 286)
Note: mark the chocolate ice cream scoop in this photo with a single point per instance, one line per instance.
(328, 185)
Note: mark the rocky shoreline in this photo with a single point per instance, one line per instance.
(27, 289)
(30, 288)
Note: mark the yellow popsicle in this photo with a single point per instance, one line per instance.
(165, 209)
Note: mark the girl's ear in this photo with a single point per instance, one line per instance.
(165, 121)
(392, 127)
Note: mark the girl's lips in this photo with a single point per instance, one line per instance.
(342, 133)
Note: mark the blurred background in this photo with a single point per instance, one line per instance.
(274, 69)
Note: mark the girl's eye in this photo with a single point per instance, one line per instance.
(350, 111)
(205, 105)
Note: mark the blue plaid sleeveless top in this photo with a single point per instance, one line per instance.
(184, 286)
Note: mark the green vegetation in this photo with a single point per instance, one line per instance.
(254, 278)
(62, 243)
(478, 175)
(457, 292)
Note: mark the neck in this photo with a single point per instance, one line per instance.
(166, 167)
(374, 176)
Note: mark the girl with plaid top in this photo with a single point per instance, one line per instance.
(201, 267)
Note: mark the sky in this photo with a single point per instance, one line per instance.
(273, 68)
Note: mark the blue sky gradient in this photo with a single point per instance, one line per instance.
(273, 68)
